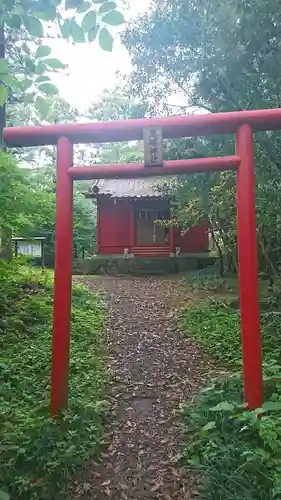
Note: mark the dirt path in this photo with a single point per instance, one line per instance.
(155, 368)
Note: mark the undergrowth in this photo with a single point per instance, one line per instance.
(236, 453)
(39, 455)
(214, 319)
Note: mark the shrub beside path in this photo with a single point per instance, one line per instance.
(154, 368)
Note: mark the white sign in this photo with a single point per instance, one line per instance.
(33, 249)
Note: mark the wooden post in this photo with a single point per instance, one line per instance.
(63, 278)
(248, 269)
(131, 226)
(172, 240)
(172, 236)
(98, 228)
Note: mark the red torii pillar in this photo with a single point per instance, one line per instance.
(63, 277)
(248, 268)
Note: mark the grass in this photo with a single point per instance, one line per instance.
(235, 452)
(38, 455)
(214, 319)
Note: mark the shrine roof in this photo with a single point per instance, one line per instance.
(147, 187)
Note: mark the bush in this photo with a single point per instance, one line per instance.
(39, 455)
(216, 326)
(237, 453)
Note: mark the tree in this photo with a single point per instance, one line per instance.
(33, 20)
(116, 104)
(221, 56)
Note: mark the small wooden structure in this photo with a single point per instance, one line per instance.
(32, 247)
(127, 215)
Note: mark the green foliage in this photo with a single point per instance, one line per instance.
(105, 40)
(217, 328)
(236, 452)
(19, 200)
(29, 19)
(28, 205)
(38, 455)
(216, 325)
(215, 67)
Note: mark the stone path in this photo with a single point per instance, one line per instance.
(155, 368)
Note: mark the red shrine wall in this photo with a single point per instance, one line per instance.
(113, 226)
(196, 240)
(113, 230)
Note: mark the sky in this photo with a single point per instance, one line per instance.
(90, 69)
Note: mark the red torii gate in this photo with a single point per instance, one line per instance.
(241, 123)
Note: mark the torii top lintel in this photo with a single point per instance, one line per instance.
(130, 130)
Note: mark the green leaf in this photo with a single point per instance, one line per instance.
(29, 98)
(25, 84)
(3, 94)
(9, 80)
(66, 28)
(42, 105)
(49, 14)
(114, 18)
(4, 66)
(40, 68)
(43, 51)
(209, 426)
(84, 7)
(105, 40)
(89, 21)
(18, 10)
(223, 406)
(54, 63)
(4, 495)
(272, 406)
(14, 21)
(76, 32)
(42, 79)
(73, 4)
(33, 26)
(106, 7)
(48, 88)
(92, 35)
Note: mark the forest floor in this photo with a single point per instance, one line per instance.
(155, 368)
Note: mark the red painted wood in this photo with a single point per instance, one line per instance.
(98, 228)
(185, 126)
(195, 240)
(172, 167)
(248, 270)
(151, 250)
(116, 231)
(127, 130)
(114, 225)
(131, 226)
(111, 250)
(63, 277)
